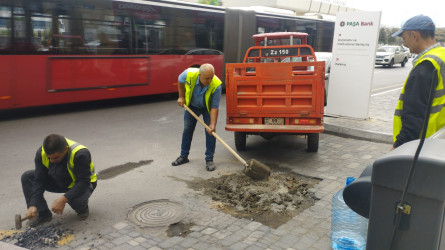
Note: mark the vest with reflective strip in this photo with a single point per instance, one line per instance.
(73, 148)
(190, 82)
(437, 117)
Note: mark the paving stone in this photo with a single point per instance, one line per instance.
(120, 225)
(239, 246)
(201, 245)
(122, 247)
(155, 248)
(134, 234)
(221, 234)
(121, 239)
(209, 231)
(233, 228)
(254, 248)
(188, 242)
(106, 231)
(253, 226)
(148, 244)
(171, 242)
(197, 228)
(133, 243)
(139, 248)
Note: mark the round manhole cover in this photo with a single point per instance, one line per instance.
(156, 213)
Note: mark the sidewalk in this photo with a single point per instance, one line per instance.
(377, 128)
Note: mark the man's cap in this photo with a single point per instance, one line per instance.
(419, 22)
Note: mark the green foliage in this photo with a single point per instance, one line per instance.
(386, 38)
(211, 2)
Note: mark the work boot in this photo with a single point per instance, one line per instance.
(179, 161)
(40, 219)
(210, 166)
(83, 215)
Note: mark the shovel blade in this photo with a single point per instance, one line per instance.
(256, 170)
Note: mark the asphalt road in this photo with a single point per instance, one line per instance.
(389, 78)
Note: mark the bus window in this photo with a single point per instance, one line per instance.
(5, 29)
(41, 32)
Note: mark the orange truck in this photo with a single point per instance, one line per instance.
(277, 90)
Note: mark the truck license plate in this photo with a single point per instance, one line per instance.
(273, 121)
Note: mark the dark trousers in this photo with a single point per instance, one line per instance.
(79, 204)
(189, 128)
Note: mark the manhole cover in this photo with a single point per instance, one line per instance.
(156, 213)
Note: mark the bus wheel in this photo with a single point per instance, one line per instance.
(312, 142)
(240, 141)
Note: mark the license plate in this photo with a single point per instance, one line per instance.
(273, 121)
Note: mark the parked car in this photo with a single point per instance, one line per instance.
(326, 57)
(389, 55)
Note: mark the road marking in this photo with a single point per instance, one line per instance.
(384, 92)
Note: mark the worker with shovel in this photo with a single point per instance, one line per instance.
(61, 166)
(200, 90)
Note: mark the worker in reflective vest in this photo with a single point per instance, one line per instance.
(61, 166)
(428, 72)
(200, 90)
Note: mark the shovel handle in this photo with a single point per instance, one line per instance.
(216, 136)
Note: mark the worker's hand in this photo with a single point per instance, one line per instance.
(59, 205)
(211, 130)
(32, 211)
(180, 101)
(392, 148)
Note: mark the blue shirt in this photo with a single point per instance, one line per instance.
(198, 97)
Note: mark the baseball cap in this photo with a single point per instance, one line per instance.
(419, 22)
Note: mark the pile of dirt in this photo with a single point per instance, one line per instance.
(44, 236)
(272, 202)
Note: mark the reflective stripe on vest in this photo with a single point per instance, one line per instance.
(73, 148)
(190, 82)
(437, 116)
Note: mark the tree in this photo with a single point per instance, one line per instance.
(386, 38)
(211, 2)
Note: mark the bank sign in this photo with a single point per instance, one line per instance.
(352, 63)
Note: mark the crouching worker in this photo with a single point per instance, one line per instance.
(61, 166)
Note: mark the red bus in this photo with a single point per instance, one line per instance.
(280, 38)
(64, 51)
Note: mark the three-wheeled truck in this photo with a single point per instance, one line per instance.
(276, 90)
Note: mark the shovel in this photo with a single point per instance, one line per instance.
(252, 168)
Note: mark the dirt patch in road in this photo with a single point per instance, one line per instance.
(272, 202)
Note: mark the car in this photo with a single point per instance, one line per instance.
(388, 55)
(326, 57)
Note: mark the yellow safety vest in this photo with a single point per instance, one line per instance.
(73, 148)
(437, 116)
(190, 82)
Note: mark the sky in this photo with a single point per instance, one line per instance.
(396, 12)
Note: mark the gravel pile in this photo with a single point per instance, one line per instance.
(43, 236)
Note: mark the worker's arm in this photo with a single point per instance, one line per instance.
(415, 102)
(213, 120)
(181, 88)
(38, 186)
(216, 96)
(181, 92)
(82, 172)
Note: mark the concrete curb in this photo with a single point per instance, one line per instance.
(360, 134)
